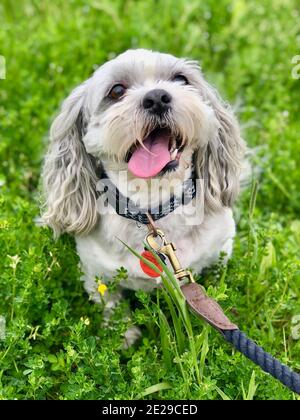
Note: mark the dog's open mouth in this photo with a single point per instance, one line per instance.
(159, 152)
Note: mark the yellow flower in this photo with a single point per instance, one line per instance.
(102, 289)
(85, 320)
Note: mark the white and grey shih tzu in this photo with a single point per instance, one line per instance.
(148, 125)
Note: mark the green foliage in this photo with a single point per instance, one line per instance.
(52, 345)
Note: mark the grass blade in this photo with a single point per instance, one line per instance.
(156, 388)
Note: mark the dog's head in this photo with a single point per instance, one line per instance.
(149, 113)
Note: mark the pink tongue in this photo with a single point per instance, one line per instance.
(147, 163)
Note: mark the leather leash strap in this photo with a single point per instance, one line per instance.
(206, 308)
(197, 299)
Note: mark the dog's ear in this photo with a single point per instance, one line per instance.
(69, 177)
(219, 162)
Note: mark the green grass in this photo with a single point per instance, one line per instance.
(54, 346)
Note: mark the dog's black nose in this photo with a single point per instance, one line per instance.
(157, 101)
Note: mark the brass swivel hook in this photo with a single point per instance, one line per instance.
(168, 249)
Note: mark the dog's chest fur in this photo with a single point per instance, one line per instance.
(198, 246)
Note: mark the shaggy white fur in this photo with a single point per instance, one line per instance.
(96, 131)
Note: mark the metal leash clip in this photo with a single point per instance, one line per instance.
(167, 249)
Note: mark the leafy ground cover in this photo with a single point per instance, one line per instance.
(53, 346)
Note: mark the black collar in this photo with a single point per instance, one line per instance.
(128, 209)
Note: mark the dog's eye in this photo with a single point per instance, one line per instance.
(117, 91)
(180, 78)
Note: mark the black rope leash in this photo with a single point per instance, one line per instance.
(263, 359)
(210, 311)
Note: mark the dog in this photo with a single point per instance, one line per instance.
(142, 122)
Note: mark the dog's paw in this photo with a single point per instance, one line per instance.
(131, 336)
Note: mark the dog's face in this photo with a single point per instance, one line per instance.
(149, 114)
